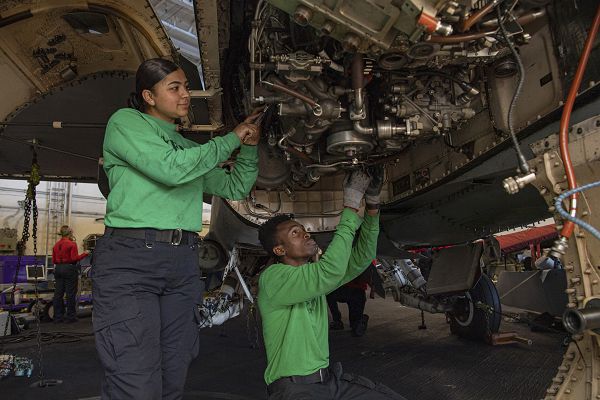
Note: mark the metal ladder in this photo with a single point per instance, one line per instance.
(56, 199)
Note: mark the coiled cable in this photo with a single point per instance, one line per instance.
(559, 207)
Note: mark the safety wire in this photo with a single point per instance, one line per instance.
(523, 166)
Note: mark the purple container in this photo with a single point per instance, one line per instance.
(8, 265)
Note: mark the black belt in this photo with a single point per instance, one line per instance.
(172, 236)
(319, 376)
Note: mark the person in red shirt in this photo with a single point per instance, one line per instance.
(65, 257)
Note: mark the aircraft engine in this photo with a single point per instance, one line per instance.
(349, 84)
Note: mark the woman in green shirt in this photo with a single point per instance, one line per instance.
(145, 276)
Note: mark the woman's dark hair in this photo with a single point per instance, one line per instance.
(149, 73)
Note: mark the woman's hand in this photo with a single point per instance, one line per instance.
(247, 131)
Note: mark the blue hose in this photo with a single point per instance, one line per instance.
(575, 220)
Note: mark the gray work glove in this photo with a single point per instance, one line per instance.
(372, 194)
(355, 185)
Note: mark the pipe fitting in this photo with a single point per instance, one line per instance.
(559, 248)
(578, 321)
(364, 130)
(513, 185)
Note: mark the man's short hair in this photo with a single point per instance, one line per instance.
(268, 230)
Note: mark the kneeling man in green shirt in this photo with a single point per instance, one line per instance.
(292, 301)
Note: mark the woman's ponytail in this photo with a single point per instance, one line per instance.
(134, 102)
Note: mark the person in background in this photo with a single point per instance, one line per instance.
(66, 274)
(145, 272)
(354, 294)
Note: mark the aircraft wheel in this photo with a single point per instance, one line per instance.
(49, 312)
(471, 321)
(36, 308)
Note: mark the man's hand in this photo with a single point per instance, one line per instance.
(373, 192)
(247, 131)
(355, 185)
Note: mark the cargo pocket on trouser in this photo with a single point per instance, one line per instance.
(194, 334)
(129, 354)
(119, 338)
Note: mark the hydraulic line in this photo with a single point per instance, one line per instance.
(572, 219)
(524, 19)
(483, 11)
(467, 37)
(523, 166)
(285, 89)
(568, 227)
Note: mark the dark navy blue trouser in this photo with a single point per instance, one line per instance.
(65, 281)
(145, 315)
(339, 386)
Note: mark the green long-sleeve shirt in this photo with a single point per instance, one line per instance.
(157, 177)
(292, 299)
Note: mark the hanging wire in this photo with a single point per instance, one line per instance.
(523, 166)
(559, 207)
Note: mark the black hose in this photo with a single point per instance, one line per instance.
(357, 71)
(523, 166)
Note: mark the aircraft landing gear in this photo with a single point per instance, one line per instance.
(477, 314)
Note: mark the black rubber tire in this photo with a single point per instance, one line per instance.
(48, 312)
(472, 322)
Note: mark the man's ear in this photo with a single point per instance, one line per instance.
(279, 251)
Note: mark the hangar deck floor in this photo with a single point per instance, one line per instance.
(419, 364)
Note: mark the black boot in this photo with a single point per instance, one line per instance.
(336, 325)
(361, 327)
